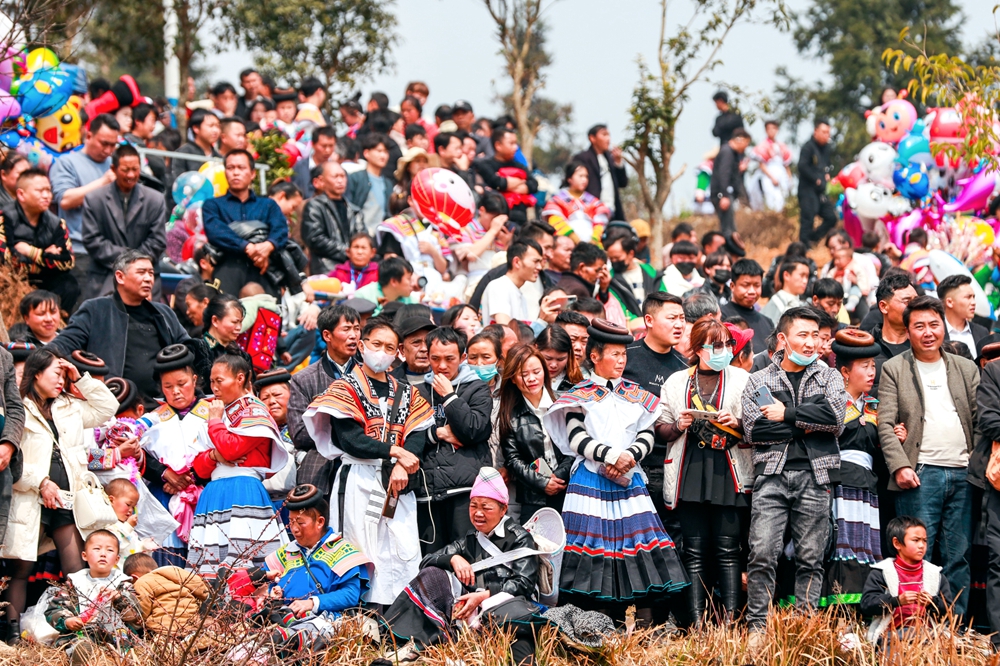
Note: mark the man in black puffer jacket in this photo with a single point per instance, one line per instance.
(458, 445)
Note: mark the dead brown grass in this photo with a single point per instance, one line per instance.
(791, 639)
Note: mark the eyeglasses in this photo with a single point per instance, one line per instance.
(719, 346)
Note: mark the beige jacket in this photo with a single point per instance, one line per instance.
(71, 416)
(170, 598)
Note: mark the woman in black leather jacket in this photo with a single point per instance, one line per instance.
(537, 468)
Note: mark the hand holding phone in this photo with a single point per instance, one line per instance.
(762, 396)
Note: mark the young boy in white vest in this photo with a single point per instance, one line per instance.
(903, 591)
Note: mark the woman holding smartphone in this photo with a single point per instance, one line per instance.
(58, 404)
(539, 471)
(708, 473)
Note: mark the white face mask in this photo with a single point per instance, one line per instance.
(377, 361)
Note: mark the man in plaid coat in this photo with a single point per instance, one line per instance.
(796, 461)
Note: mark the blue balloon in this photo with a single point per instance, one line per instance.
(915, 146)
(191, 187)
(43, 92)
(911, 180)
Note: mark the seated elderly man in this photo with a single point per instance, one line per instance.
(317, 576)
(471, 581)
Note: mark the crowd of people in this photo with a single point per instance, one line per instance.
(576, 428)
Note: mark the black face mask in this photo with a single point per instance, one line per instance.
(685, 267)
(619, 266)
(722, 275)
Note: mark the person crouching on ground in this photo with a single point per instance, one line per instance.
(902, 591)
(170, 598)
(97, 607)
(317, 576)
(450, 589)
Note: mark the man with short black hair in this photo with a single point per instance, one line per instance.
(503, 300)
(329, 220)
(747, 282)
(933, 395)
(223, 96)
(794, 273)
(205, 126)
(395, 283)
(38, 240)
(814, 174)
(232, 135)
(727, 186)
(628, 272)
(120, 216)
(575, 324)
(587, 263)
(78, 173)
(448, 147)
(126, 329)
(251, 82)
(828, 295)
(796, 462)
(605, 169)
(681, 276)
(324, 146)
(457, 445)
(728, 121)
(959, 300)
(369, 189)
(312, 96)
(541, 233)
(143, 126)
(242, 261)
(894, 293)
(502, 173)
(340, 328)
(718, 271)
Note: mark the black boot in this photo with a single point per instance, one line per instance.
(694, 562)
(727, 556)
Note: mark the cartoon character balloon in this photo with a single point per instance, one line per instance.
(61, 131)
(877, 159)
(851, 175)
(946, 126)
(444, 199)
(892, 121)
(43, 92)
(912, 181)
(192, 187)
(915, 147)
(976, 191)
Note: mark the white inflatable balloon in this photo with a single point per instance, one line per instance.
(945, 265)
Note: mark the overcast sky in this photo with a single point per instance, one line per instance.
(450, 44)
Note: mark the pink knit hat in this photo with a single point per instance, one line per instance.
(491, 485)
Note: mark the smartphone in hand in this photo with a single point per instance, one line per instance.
(762, 396)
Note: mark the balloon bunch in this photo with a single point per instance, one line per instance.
(40, 117)
(185, 228)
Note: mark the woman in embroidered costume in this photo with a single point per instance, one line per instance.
(223, 317)
(377, 427)
(616, 547)
(573, 211)
(489, 577)
(855, 502)
(318, 575)
(234, 522)
(708, 473)
(176, 432)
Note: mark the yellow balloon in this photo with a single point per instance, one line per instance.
(984, 232)
(41, 58)
(216, 174)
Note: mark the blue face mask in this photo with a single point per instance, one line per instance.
(485, 372)
(719, 360)
(800, 359)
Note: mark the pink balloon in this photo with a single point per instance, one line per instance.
(9, 106)
(900, 226)
(974, 194)
(852, 225)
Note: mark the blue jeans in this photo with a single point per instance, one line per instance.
(943, 502)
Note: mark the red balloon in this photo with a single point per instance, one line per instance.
(947, 126)
(851, 175)
(190, 245)
(291, 149)
(443, 199)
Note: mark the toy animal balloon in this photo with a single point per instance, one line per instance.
(899, 227)
(444, 199)
(946, 125)
(191, 187)
(41, 58)
(911, 180)
(975, 193)
(61, 131)
(915, 147)
(874, 201)
(877, 159)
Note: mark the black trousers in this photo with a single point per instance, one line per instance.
(727, 219)
(234, 271)
(62, 283)
(443, 521)
(814, 202)
(993, 572)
